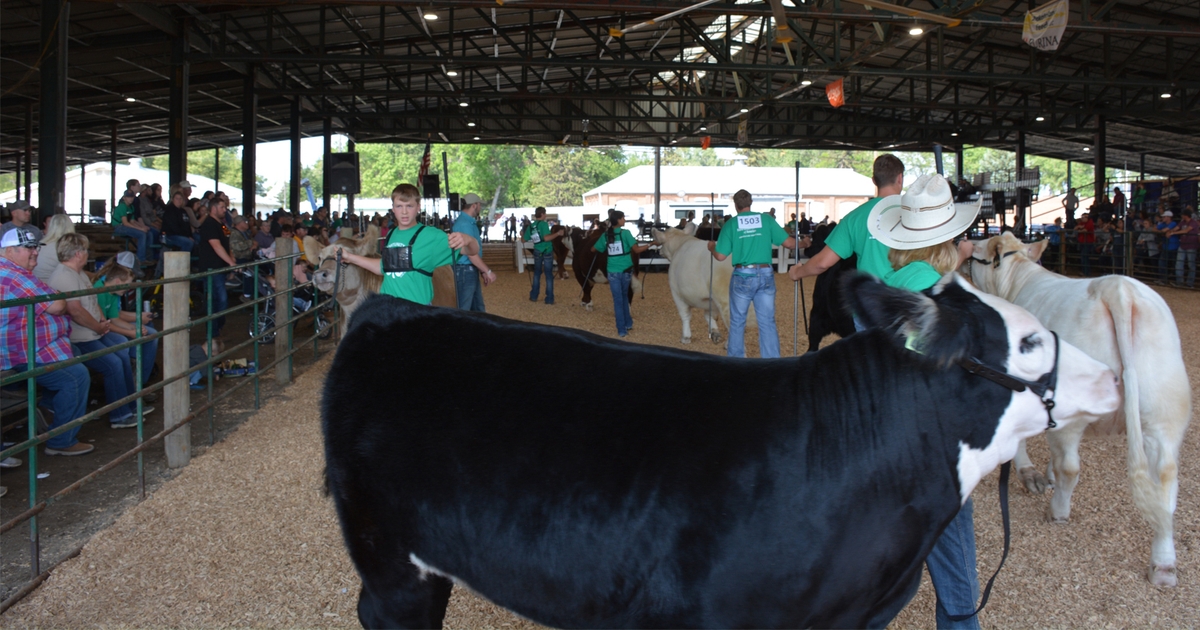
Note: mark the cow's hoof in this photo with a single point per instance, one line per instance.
(1033, 480)
(716, 337)
(587, 305)
(686, 340)
(1060, 519)
(1163, 576)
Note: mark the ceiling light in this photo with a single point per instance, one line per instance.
(916, 30)
(130, 99)
(954, 134)
(451, 72)
(462, 104)
(1165, 95)
(745, 110)
(806, 82)
(476, 137)
(1040, 118)
(470, 124)
(430, 15)
(674, 141)
(703, 128)
(1087, 148)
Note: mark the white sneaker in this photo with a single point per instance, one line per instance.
(10, 462)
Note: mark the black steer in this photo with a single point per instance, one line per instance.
(772, 499)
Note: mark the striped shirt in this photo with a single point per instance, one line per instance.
(51, 332)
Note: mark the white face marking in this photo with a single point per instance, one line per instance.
(425, 569)
(1087, 389)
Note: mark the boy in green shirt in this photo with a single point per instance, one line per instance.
(748, 237)
(620, 246)
(412, 251)
(539, 234)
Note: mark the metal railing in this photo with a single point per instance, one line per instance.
(1140, 254)
(285, 349)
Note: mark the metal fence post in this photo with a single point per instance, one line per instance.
(283, 309)
(177, 395)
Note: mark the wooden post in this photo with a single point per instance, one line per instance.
(283, 309)
(177, 395)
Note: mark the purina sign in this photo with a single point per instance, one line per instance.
(1044, 25)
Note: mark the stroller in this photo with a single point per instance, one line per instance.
(302, 302)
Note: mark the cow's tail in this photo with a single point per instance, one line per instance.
(1121, 308)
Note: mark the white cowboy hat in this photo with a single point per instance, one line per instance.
(924, 215)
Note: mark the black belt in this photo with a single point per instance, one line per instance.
(761, 266)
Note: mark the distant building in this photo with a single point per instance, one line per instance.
(831, 192)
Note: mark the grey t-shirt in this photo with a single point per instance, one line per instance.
(29, 227)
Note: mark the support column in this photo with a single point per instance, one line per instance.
(1098, 166)
(657, 182)
(52, 121)
(249, 140)
(178, 114)
(1142, 167)
(29, 151)
(1069, 186)
(1022, 211)
(20, 171)
(82, 193)
(294, 185)
(325, 162)
(958, 162)
(351, 147)
(217, 172)
(112, 164)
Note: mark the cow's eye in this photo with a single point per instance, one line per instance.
(1029, 342)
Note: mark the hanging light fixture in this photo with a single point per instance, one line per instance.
(429, 14)
(916, 30)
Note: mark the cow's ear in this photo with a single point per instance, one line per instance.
(1034, 251)
(993, 247)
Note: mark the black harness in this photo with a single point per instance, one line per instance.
(399, 259)
(994, 263)
(1047, 383)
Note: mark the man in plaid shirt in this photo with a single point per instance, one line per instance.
(68, 386)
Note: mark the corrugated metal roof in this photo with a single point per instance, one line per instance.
(726, 180)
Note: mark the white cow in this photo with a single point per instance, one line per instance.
(692, 268)
(1128, 327)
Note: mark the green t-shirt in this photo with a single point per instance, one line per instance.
(110, 304)
(749, 237)
(542, 230)
(620, 256)
(430, 251)
(915, 276)
(851, 236)
(120, 212)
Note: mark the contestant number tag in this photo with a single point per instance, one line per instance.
(616, 248)
(535, 237)
(751, 222)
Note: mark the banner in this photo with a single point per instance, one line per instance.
(743, 134)
(833, 91)
(1044, 25)
(424, 170)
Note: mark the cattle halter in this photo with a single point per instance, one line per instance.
(1047, 383)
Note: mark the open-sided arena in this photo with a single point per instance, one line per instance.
(244, 536)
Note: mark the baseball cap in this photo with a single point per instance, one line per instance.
(185, 184)
(128, 194)
(471, 199)
(129, 261)
(241, 218)
(1168, 213)
(19, 204)
(19, 237)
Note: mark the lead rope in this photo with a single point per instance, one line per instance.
(987, 591)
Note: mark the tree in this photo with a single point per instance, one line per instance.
(382, 167)
(689, 156)
(560, 175)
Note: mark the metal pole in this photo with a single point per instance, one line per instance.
(176, 396)
(796, 259)
(657, 183)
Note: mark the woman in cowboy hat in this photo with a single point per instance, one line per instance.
(921, 228)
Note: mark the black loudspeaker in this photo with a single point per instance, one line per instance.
(97, 207)
(999, 202)
(430, 188)
(454, 202)
(1026, 197)
(342, 174)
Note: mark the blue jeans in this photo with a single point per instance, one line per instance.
(469, 288)
(141, 238)
(220, 301)
(543, 263)
(952, 569)
(1166, 261)
(149, 353)
(115, 368)
(757, 286)
(184, 243)
(69, 398)
(1186, 257)
(619, 284)
(1085, 258)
